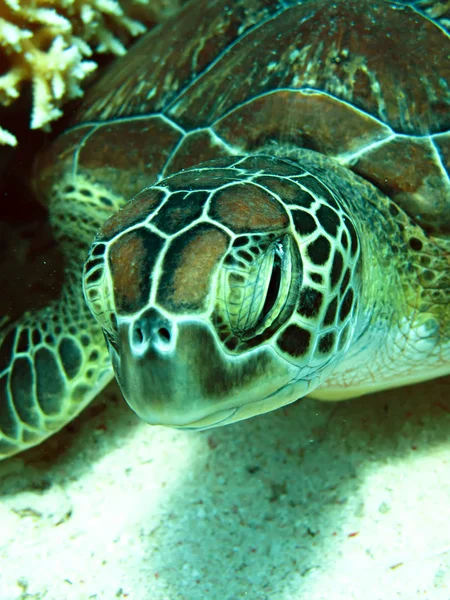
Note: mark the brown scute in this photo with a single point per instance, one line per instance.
(131, 261)
(179, 211)
(189, 265)
(224, 161)
(287, 190)
(198, 147)
(408, 171)
(326, 46)
(135, 211)
(128, 155)
(200, 179)
(270, 165)
(248, 208)
(170, 57)
(315, 186)
(315, 121)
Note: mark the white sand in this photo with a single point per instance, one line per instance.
(318, 501)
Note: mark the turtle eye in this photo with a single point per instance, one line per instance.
(255, 286)
(274, 282)
(272, 286)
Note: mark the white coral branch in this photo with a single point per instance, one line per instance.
(56, 75)
(48, 47)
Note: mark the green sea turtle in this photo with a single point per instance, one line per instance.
(290, 227)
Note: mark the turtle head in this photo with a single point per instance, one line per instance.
(225, 291)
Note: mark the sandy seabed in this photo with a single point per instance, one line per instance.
(332, 501)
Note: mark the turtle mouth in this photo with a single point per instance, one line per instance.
(286, 395)
(217, 419)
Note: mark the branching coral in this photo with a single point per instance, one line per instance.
(49, 43)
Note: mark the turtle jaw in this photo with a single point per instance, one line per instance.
(286, 395)
(192, 383)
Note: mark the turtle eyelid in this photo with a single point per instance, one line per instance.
(273, 288)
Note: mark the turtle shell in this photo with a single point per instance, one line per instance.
(364, 82)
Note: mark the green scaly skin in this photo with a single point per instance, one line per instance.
(405, 295)
(54, 361)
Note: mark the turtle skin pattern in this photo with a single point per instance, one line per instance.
(325, 89)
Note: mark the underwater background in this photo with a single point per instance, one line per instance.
(332, 501)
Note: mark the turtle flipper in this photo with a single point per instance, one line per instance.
(53, 362)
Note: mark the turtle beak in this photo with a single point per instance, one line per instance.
(176, 373)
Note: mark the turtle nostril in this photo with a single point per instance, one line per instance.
(138, 335)
(164, 334)
(152, 332)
